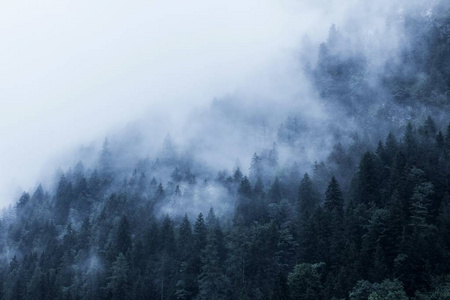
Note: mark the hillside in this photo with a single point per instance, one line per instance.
(352, 206)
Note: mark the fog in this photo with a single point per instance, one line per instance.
(73, 72)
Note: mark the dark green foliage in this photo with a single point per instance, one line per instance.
(63, 199)
(200, 234)
(118, 283)
(308, 198)
(123, 239)
(275, 192)
(334, 202)
(305, 281)
(382, 232)
(389, 290)
(213, 284)
(369, 179)
(245, 188)
(391, 239)
(23, 201)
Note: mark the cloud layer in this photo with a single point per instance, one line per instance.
(74, 71)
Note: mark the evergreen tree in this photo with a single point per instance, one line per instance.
(63, 200)
(123, 237)
(160, 193)
(308, 198)
(305, 281)
(23, 201)
(213, 284)
(199, 243)
(185, 239)
(105, 161)
(118, 286)
(369, 180)
(275, 192)
(200, 234)
(333, 198)
(245, 188)
(256, 167)
(237, 176)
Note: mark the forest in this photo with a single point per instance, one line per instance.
(370, 220)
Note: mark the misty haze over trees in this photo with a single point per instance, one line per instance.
(349, 203)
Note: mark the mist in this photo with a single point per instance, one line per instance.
(295, 149)
(73, 73)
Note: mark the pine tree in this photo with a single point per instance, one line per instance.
(118, 286)
(258, 189)
(410, 144)
(275, 192)
(308, 198)
(38, 195)
(199, 243)
(123, 236)
(369, 180)
(333, 198)
(160, 193)
(391, 148)
(256, 167)
(105, 161)
(429, 129)
(23, 200)
(238, 261)
(185, 239)
(237, 176)
(245, 188)
(213, 284)
(63, 200)
(186, 284)
(167, 236)
(305, 281)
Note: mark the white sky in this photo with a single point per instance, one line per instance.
(71, 71)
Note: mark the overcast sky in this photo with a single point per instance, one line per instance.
(72, 71)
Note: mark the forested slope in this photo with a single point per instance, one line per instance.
(371, 220)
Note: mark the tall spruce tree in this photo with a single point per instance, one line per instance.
(333, 198)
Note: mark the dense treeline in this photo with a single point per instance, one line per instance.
(417, 78)
(372, 221)
(388, 234)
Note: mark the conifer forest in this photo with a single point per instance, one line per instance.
(346, 197)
